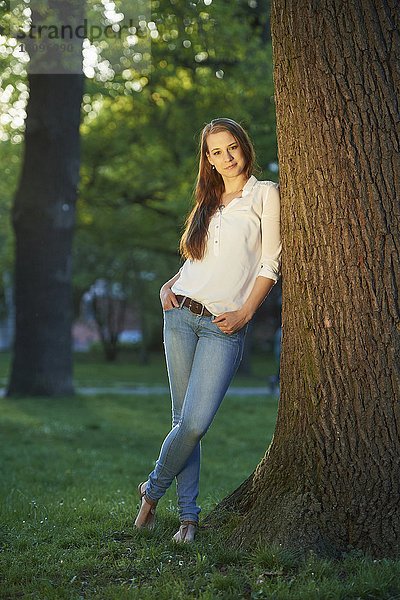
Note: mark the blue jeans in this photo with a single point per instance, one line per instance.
(201, 362)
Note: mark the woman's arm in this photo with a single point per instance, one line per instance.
(260, 291)
(270, 266)
(167, 296)
(230, 322)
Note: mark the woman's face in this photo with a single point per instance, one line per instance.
(225, 154)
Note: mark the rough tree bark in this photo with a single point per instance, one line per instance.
(331, 477)
(43, 219)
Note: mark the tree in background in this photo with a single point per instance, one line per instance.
(108, 307)
(330, 478)
(43, 219)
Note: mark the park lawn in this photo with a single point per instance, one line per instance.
(91, 370)
(70, 467)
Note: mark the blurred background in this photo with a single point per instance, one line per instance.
(139, 135)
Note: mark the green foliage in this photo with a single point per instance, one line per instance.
(139, 134)
(140, 148)
(10, 160)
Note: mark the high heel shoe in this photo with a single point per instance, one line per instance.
(146, 516)
(186, 531)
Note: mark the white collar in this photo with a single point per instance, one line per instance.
(250, 183)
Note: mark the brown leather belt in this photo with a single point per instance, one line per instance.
(195, 307)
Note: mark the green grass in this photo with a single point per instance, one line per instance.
(90, 370)
(68, 498)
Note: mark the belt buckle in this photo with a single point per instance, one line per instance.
(190, 306)
(193, 311)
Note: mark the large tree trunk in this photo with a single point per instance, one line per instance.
(43, 219)
(331, 477)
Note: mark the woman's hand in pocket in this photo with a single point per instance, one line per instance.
(168, 298)
(230, 322)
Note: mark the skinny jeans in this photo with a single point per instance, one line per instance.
(201, 362)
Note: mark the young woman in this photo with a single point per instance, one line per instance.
(232, 248)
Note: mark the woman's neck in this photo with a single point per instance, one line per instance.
(234, 184)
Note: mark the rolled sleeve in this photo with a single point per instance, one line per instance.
(270, 234)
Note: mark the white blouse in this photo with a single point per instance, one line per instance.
(243, 242)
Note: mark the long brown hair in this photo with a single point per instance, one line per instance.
(210, 187)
